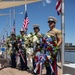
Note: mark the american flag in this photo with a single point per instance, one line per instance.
(14, 28)
(26, 21)
(58, 6)
(3, 39)
(7, 34)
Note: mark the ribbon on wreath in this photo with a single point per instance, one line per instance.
(20, 54)
(41, 60)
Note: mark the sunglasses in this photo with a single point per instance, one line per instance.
(21, 31)
(35, 28)
(51, 22)
(13, 35)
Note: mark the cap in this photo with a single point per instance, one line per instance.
(51, 18)
(13, 33)
(35, 25)
(21, 30)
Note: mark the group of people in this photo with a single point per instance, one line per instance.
(29, 51)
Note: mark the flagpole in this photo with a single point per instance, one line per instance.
(10, 21)
(25, 11)
(14, 13)
(63, 35)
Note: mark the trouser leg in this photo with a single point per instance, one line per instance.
(55, 66)
(13, 60)
(23, 64)
(48, 70)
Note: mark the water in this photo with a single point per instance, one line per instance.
(69, 56)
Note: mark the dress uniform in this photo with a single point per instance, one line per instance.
(37, 52)
(57, 33)
(23, 59)
(14, 50)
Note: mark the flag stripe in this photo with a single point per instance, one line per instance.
(58, 6)
(14, 28)
(26, 21)
(3, 39)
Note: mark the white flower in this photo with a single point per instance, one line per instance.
(48, 35)
(29, 35)
(48, 56)
(30, 51)
(38, 54)
(35, 39)
(38, 41)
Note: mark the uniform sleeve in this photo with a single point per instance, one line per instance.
(59, 33)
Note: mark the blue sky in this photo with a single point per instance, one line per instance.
(38, 14)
